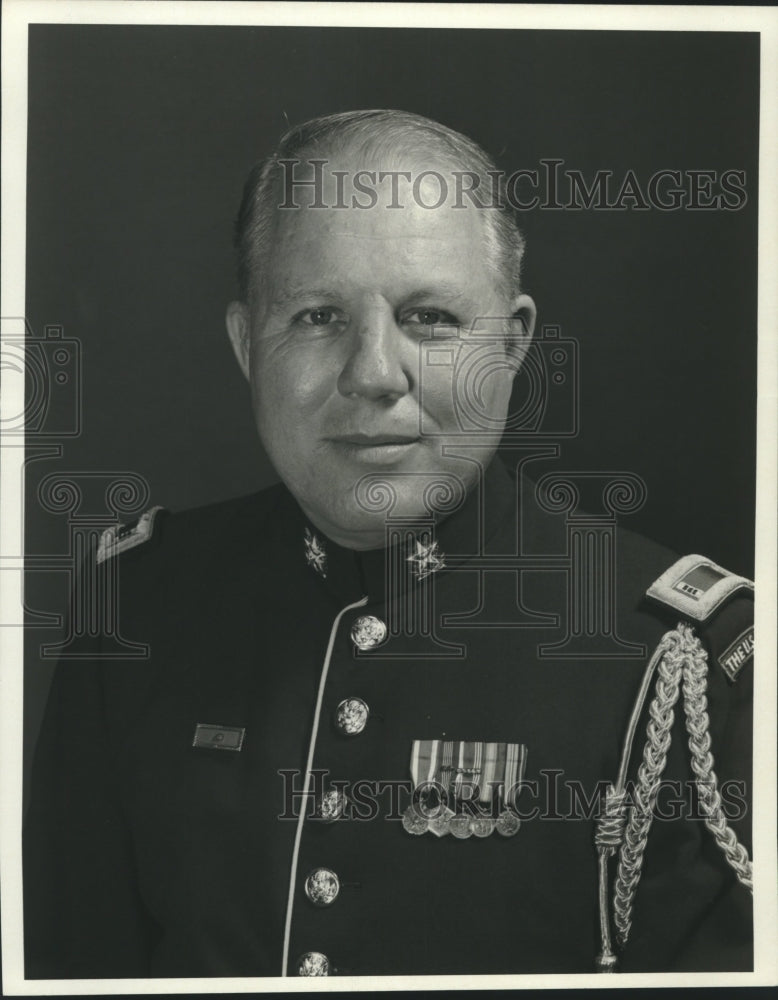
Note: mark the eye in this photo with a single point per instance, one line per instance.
(432, 317)
(321, 316)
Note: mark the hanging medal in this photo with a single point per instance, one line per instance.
(459, 826)
(470, 764)
(425, 762)
(466, 788)
(482, 822)
(439, 824)
(508, 822)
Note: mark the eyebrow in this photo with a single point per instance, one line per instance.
(445, 290)
(289, 295)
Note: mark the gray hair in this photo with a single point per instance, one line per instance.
(373, 131)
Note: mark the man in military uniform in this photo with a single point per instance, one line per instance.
(409, 711)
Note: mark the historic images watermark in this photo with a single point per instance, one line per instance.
(551, 185)
(550, 797)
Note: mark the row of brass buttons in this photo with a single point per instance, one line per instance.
(322, 886)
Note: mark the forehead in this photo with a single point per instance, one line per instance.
(378, 220)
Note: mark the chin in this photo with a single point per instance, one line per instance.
(360, 511)
(419, 496)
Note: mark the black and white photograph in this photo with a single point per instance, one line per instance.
(388, 496)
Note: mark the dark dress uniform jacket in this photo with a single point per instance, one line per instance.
(146, 856)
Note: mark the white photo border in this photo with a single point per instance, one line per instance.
(17, 16)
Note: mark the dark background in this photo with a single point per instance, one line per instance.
(139, 141)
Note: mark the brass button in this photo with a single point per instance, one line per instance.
(332, 805)
(351, 716)
(313, 963)
(322, 887)
(368, 632)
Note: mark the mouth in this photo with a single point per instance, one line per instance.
(376, 449)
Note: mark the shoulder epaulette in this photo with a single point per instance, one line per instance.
(120, 537)
(720, 602)
(696, 587)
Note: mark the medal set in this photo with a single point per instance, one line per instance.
(476, 778)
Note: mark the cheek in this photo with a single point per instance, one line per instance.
(287, 391)
(473, 394)
(498, 392)
(436, 398)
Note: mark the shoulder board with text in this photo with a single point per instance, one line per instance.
(121, 537)
(719, 601)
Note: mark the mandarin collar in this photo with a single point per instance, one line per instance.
(419, 553)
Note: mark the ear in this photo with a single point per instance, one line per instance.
(523, 315)
(239, 330)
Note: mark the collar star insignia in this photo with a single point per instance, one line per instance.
(426, 560)
(315, 554)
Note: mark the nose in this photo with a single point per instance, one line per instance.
(376, 366)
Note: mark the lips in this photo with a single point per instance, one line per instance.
(376, 449)
(375, 440)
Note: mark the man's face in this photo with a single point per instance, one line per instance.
(345, 381)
